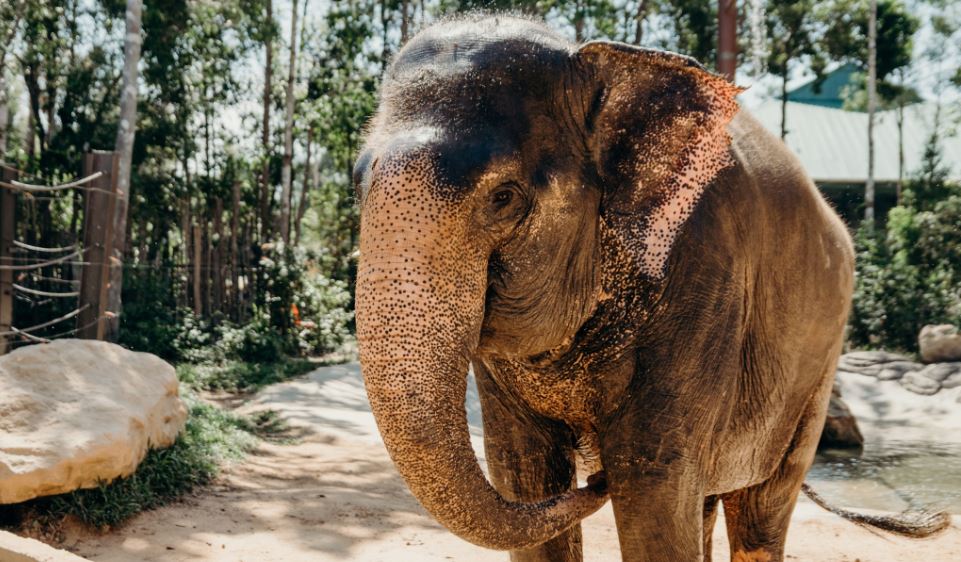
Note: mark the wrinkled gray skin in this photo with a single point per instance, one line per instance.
(638, 276)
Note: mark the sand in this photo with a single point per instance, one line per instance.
(334, 495)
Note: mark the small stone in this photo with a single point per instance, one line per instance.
(940, 371)
(940, 343)
(953, 381)
(868, 362)
(920, 384)
(897, 369)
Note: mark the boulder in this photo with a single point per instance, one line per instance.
(920, 384)
(840, 428)
(939, 343)
(77, 412)
(869, 362)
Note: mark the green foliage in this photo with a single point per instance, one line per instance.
(149, 324)
(308, 310)
(210, 437)
(910, 275)
(240, 376)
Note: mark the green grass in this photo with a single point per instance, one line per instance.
(210, 437)
(240, 376)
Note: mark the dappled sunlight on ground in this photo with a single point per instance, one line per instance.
(334, 495)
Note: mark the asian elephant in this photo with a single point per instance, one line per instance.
(638, 272)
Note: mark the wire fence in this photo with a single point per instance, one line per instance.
(19, 272)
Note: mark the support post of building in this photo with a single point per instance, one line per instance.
(8, 216)
(727, 38)
(100, 200)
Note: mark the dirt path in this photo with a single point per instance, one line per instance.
(334, 495)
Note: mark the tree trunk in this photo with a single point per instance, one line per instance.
(235, 251)
(186, 236)
(4, 111)
(265, 187)
(784, 102)
(639, 21)
(579, 17)
(286, 172)
(872, 103)
(404, 21)
(305, 191)
(385, 26)
(126, 132)
(198, 269)
(217, 259)
(900, 117)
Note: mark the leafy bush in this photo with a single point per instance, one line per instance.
(910, 274)
(256, 341)
(309, 310)
(240, 376)
(149, 321)
(894, 299)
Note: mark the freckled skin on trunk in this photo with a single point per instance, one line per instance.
(419, 305)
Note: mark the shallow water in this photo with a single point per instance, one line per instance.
(891, 475)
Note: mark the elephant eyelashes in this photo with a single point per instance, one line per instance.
(505, 199)
(502, 198)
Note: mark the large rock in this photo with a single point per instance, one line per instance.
(76, 412)
(939, 343)
(840, 428)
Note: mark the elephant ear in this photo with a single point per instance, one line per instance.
(655, 124)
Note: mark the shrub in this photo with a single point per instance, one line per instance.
(149, 319)
(910, 274)
(240, 376)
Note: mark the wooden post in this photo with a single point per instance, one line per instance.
(727, 38)
(8, 206)
(98, 222)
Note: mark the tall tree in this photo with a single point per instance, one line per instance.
(266, 186)
(792, 33)
(126, 132)
(848, 38)
(286, 173)
(872, 106)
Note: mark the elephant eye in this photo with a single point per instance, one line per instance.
(503, 196)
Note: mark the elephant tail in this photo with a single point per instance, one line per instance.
(916, 524)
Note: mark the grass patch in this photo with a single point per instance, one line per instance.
(211, 436)
(241, 376)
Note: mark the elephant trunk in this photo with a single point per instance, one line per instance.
(419, 308)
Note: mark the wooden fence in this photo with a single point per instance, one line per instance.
(99, 189)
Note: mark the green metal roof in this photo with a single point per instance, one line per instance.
(833, 144)
(830, 92)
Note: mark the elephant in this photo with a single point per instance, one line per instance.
(643, 279)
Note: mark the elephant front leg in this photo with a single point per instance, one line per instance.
(530, 458)
(658, 502)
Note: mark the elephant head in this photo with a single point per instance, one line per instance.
(504, 174)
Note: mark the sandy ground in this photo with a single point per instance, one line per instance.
(334, 495)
